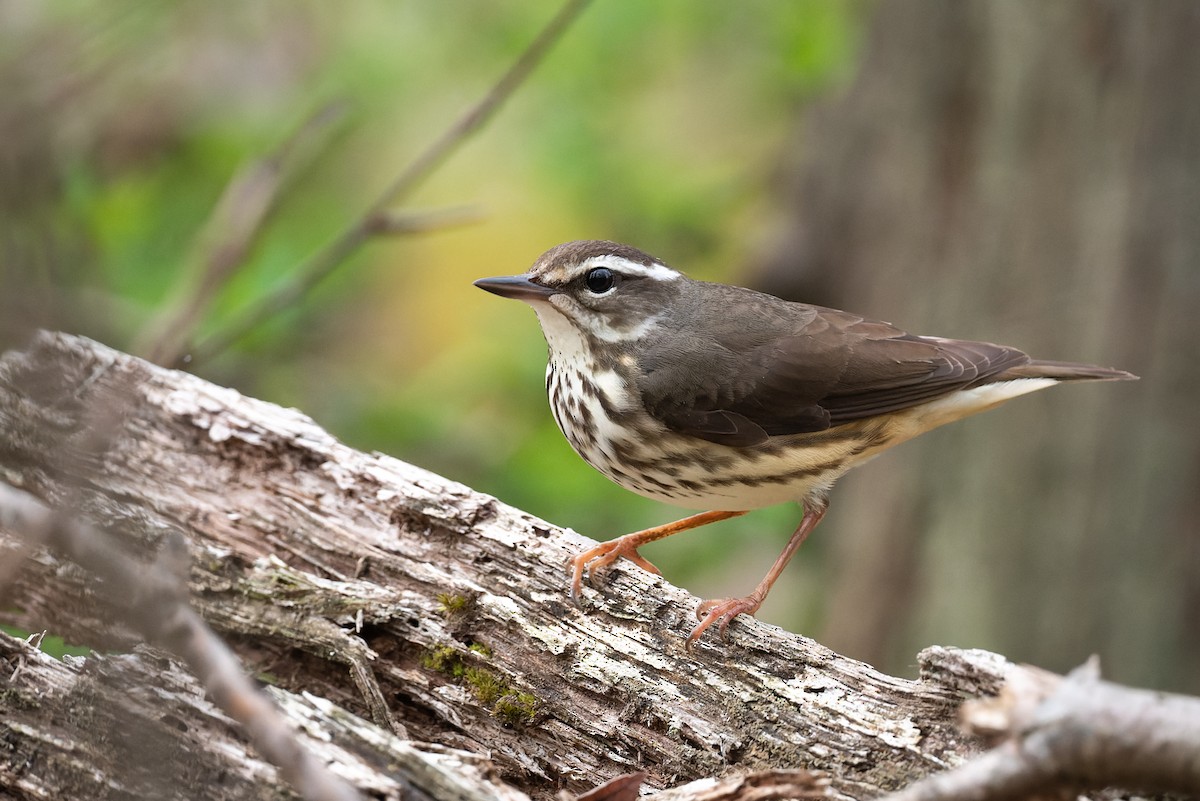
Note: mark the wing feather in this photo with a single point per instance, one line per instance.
(769, 367)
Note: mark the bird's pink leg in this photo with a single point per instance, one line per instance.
(726, 609)
(606, 553)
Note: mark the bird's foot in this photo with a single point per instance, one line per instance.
(723, 610)
(597, 559)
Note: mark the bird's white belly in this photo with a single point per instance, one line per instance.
(641, 455)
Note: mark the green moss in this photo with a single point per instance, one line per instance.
(511, 706)
(453, 605)
(480, 649)
(444, 659)
(517, 709)
(485, 685)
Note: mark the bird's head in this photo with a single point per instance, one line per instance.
(604, 290)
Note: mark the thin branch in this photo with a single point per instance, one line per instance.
(414, 222)
(324, 262)
(235, 225)
(1072, 734)
(154, 600)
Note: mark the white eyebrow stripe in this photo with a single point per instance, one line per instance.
(626, 267)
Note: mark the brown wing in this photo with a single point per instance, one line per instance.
(769, 368)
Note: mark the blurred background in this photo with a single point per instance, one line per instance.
(1020, 172)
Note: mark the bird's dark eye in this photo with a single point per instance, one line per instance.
(600, 279)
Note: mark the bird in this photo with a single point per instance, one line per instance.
(718, 398)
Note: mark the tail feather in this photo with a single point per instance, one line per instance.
(1063, 371)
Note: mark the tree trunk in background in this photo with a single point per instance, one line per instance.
(1027, 173)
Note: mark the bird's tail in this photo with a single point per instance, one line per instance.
(1064, 371)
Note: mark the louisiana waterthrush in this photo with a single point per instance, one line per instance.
(715, 397)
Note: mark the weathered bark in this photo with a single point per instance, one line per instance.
(430, 608)
(138, 726)
(1029, 173)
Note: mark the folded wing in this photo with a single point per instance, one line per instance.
(809, 369)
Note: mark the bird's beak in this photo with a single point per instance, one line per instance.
(517, 287)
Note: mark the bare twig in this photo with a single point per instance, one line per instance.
(154, 599)
(325, 261)
(1073, 734)
(235, 225)
(415, 222)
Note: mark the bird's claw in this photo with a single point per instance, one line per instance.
(602, 556)
(723, 610)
